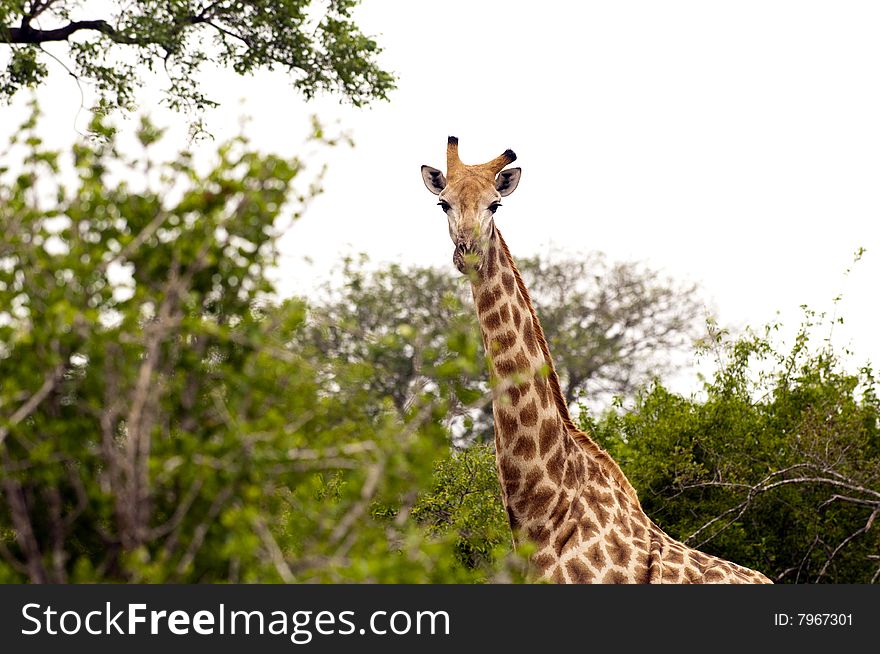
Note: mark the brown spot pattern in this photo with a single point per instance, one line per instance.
(524, 447)
(507, 422)
(535, 499)
(524, 387)
(559, 511)
(492, 321)
(543, 561)
(529, 414)
(596, 556)
(532, 478)
(508, 367)
(491, 263)
(602, 514)
(623, 522)
(509, 471)
(579, 573)
(507, 280)
(547, 436)
(699, 557)
(570, 479)
(556, 467)
(671, 573)
(541, 388)
(618, 550)
(503, 342)
(488, 298)
(675, 557)
(614, 577)
(529, 337)
(517, 316)
(539, 534)
(514, 394)
(566, 538)
(539, 502)
(713, 575)
(587, 529)
(691, 576)
(604, 498)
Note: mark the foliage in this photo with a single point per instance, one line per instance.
(317, 45)
(398, 321)
(778, 468)
(610, 328)
(465, 500)
(164, 418)
(159, 418)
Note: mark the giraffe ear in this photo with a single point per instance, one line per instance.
(434, 179)
(507, 180)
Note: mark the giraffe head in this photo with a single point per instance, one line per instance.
(469, 196)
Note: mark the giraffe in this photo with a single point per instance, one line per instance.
(561, 490)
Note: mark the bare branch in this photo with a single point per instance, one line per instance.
(275, 552)
(182, 508)
(845, 541)
(31, 405)
(24, 531)
(368, 490)
(202, 530)
(768, 484)
(303, 454)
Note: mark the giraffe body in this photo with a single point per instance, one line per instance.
(560, 489)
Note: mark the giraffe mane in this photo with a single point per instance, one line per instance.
(580, 437)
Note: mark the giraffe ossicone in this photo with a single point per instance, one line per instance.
(561, 490)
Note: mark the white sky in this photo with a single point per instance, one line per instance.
(732, 144)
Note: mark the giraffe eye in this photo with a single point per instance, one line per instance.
(444, 205)
(494, 206)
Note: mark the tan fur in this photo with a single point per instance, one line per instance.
(580, 437)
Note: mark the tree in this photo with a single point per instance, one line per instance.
(465, 500)
(610, 327)
(398, 320)
(107, 44)
(778, 468)
(160, 419)
(775, 466)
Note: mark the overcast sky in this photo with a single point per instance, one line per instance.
(732, 144)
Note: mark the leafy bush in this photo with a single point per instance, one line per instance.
(161, 419)
(778, 468)
(465, 501)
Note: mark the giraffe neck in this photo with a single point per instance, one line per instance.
(561, 490)
(534, 435)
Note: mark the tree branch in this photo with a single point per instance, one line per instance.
(24, 531)
(28, 35)
(858, 532)
(31, 405)
(274, 550)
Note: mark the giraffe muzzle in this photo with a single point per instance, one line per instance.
(467, 257)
